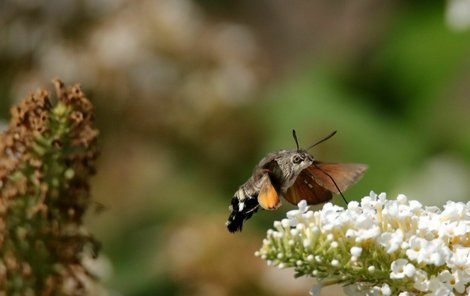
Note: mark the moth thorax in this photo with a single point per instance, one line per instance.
(289, 179)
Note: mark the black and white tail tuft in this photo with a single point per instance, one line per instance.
(241, 211)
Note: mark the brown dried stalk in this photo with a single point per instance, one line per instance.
(47, 156)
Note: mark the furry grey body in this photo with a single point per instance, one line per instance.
(281, 168)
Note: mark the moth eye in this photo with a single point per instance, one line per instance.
(296, 159)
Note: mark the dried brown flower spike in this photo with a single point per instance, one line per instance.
(46, 158)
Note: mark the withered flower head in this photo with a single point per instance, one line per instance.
(47, 156)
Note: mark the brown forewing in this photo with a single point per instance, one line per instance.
(344, 174)
(315, 186)
(306, 188)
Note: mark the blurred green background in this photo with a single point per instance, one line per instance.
(189, 95)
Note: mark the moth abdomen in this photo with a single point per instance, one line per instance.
(242, 210)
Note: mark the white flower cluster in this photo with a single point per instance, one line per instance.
(377, 246)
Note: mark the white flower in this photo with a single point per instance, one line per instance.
(401, 268)
(453, 229)
(303, 208)
(432, 252)
(421, 282)
(353, 206)
(429, 249)
(456, 280)
(429, 223)
(369, 201)
(416, 249)
(373, 201)
(307, 242)
(402, 199)
(460, 258)
(295, 216)
(438, 288)
(330, 216)
(391, 241)
(454, 211)
(381, 200)
(356, 251)
(436, 252)
(366, 234)
(285, 223)
(383, 290)
(415, 206)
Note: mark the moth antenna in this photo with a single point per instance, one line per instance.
(295, 139)
(322, 140)
(334, 182)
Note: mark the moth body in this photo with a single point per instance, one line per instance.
(280, 169)
(294, 175)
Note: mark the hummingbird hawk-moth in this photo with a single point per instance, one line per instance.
(295, 175)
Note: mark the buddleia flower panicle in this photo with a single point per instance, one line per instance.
(47, 156)
(376, 246)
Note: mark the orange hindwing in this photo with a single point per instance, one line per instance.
(268, 198)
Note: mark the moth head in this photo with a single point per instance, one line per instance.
(300, 160)
(292, 162)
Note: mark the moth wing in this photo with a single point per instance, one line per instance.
(343, 174)
(306, 188)
(268, 198)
